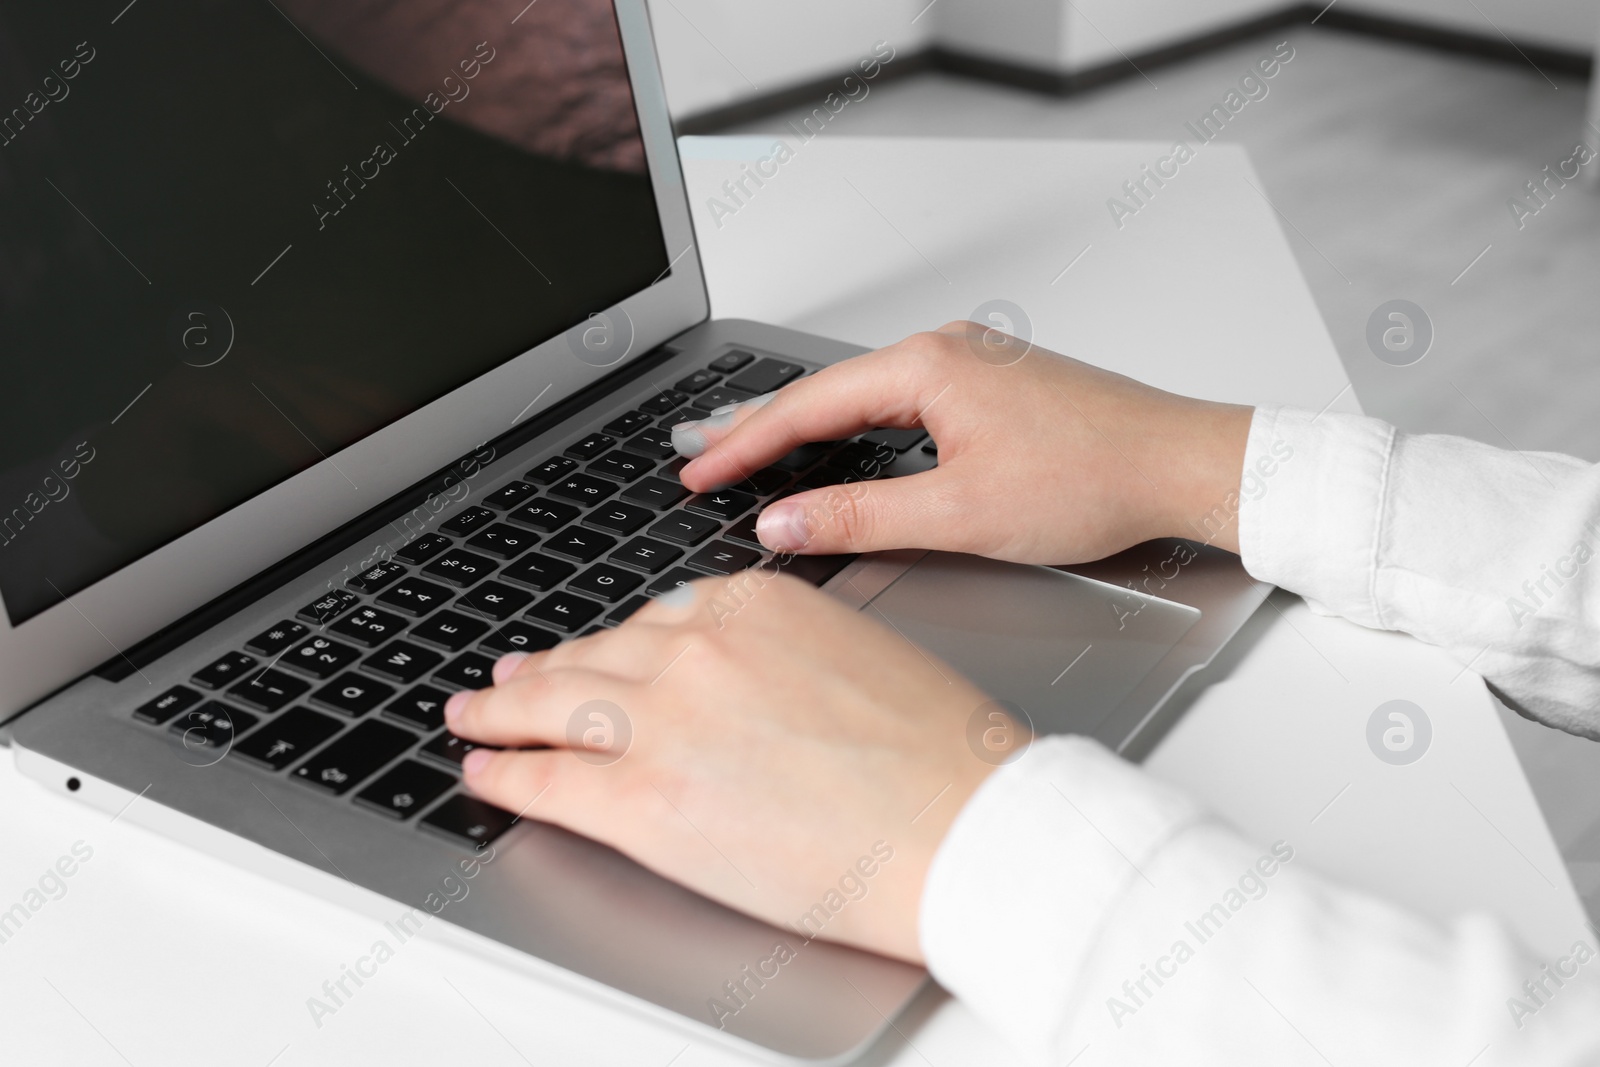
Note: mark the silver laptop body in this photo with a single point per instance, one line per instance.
(1098, 649)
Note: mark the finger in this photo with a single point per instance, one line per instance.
(532, 785)
(919, 511)
(891, 388)
(529, 709)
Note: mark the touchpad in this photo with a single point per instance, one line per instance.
(1067, 649)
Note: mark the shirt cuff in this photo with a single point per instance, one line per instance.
(1311, 505)
(1028, 875)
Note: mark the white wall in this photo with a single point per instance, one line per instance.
(1563, 23)
(1023, 31)
(1095, 30)
(717, 52)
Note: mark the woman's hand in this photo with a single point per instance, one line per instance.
(1042, 459)
(751, 738)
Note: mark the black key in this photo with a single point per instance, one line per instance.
(520, 637)
(620, 613)
(460, 568)
(546, 516)
(723, 504)
(166, 705)
(655, 442)
(468, 821)
(670, 471)
(564, 611)
(369, 627)
(632, 422)
(423, 549)
(664, 402)
(269, 643)
(450, 631)
(608, 583)
(721, 398)
(422, 706)
(376, 576)
(320, 657)
(551, 469)
(287, 738)
(211, 725)
(864, 460)
(502, 541)
(582, 545)
(646, 555)
(225, 671)
(494, 600)
(676, 578)
(764, 482)
(621, 467)
(619, 518)
(328, 607)
(352, 695)
(468, 521)
(268, 690)
(899, 440)
(591, 446)
(415, 597)
(449, 749)
(680, 415)
(584, 488)
(719, 557)
(802, 457)
(931, 448)
(814, 569)
(684, 528)
(354, 756)
(405, 789)
(731, 361)
(467, 671)
(509, 496)
(402, 661)
(655, 493)
(767, 375)
(538, 572)
(745, 530)
(698, 382)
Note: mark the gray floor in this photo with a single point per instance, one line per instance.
(1394, 166)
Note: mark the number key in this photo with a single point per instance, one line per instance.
(368, 626)
(502, 541)
(320, 657)
(460, 568)
(415, 597)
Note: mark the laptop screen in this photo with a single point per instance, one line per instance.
(238, 237)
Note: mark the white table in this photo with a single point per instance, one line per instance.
(160, 955)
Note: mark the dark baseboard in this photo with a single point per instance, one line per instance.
(1439, 39)
(1050, 82)
(717, 119)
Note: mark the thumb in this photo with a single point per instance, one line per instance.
(910, 512)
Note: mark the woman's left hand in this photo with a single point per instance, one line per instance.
(749, 737)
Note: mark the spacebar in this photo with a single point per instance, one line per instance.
(815, 569)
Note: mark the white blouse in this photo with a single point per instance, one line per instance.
(1184, 943)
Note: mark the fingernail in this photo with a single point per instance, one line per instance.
(688, 440)
(782, 527)
(507, 665)
(476, 761)
(680, 597)
(455, 706)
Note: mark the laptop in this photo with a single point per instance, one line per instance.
(343, 344)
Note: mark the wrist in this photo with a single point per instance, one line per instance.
(1201, 472)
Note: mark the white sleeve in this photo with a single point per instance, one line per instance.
(1093, 916)
(1486, 553)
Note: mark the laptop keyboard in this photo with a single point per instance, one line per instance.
(347, 697)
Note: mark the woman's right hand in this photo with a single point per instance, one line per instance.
(1042, 459)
